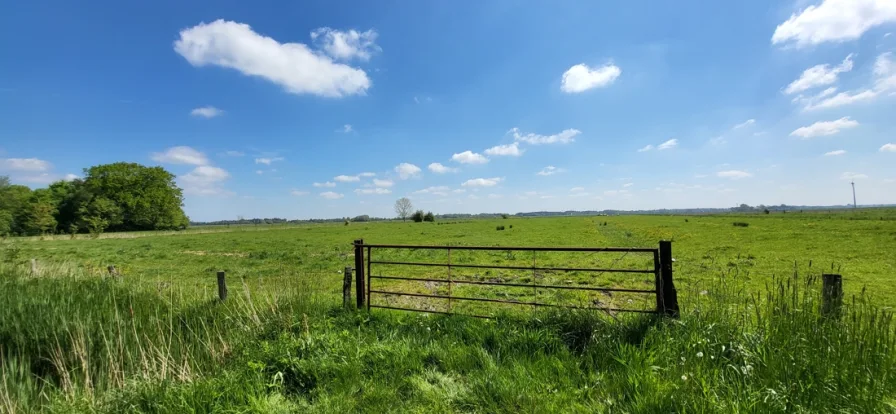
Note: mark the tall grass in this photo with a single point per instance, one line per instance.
(77, 343)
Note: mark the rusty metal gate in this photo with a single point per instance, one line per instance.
(369, 281)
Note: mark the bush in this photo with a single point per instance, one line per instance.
(511, 226)
(429, 217)
(741, 224)
(499, 228)
(417, 216)
(505, 216)
(766, 211)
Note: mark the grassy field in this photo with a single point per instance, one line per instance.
(750, 338)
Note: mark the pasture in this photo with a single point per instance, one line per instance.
(155, 340)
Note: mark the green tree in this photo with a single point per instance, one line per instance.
(5, 223)
(98, 215)
(417, 216)
(37, 216)
(148, 197)
(429, 217)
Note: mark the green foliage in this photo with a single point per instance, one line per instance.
(99, 214)
(429, 217)
(37, 216)
(499, 228)
(418, 216)
(361, 218)
(147, 196)
(505, 216)
(6, 222)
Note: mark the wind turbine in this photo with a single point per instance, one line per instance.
(854, 205)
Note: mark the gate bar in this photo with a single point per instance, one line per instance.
(562, 269)
(476, 282)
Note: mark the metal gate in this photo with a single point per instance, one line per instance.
(370, 280)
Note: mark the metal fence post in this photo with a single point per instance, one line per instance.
(670, 295)
(222, 286)
(831, 295)
(347, 287)
(359, 273)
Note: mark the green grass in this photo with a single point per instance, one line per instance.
(155, 340)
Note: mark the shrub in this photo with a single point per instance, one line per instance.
(499, 228)
(417, 216)
(429, 217)
(505, 216)
(741, 224)
(685, 220)
(766, 211)
(511, 226)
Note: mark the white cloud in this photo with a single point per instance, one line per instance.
(745, 124)
(438, 168)
(469, 157)
(509, 149)
(367, 174)
(346, 45)
(180, 155)
(885, 71)
(483, 182)
(733, 174)
(840, 99)
(369, 191)
(672, 143)
(888, 148)
(25, 165)
(43, 178)
(268, 161)
(298, 193)
(293, 66)
(329, 195)
(326, 185)
(580, 78)
(545, 197)
(382, 183)
(580, 194)
(437, 190)
(346, 178)
(576, 189)
(70, 177)
(852, 176)
(206, 112)
(612, 193)
(459, 191)
(347, 128)
(824, 128)
(626, 185)
(834, 153)
(232, 153)
(646, 148)
(406, 171)
(564, 137)
(834, 21)
(204, 180)
(550, 170)
(819, 75)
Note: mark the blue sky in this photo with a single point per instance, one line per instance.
(325, 109)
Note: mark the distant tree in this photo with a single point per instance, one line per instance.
(4, 181)
(403, 208)
(37, 217)
(766, 211)
(148, 197)
(362, 218)
(5, 223)
(418, 216)
(429, 217)
(98, 215)
(505, 216)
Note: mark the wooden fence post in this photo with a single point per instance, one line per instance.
(33, 267)
(360, 292)
(112, 271)
(831, 295)
(669, 294)
(347, 287)
(222, 286)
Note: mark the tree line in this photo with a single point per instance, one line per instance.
(111, 197)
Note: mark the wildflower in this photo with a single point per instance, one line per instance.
(684, 377)
(699, 354)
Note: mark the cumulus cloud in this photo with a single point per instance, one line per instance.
(346, 45)
(834, 21)
(512, 150)
(564, 137)
(70, 177)
(581, 77)
(204, 180)
(367, 174)
(293, 66)
(888, 148)
(346, 178)
(852, 176)
(646, 148)
(406, 171)
(824, 128)
(376, 190)
(672, 143)
(469, 157)
(883, 81)
(576, 189)
(382, 183)
(834, 153)
(180, 155)
(206, 112)
(438, 168)
(30, 165)
(840, 99)
(482, 182)
(268, 161)
(329, 195)
(733, 174)
(437, 190)
(819, 75)
(324, 185)
(549, 170)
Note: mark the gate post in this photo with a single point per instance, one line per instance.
(347, 287)
(669, 294)
(359, 273)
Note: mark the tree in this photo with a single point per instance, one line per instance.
(5, 223)
(418, 216)
(429, 217)
(98, 215)
(147, 196)
(37, 217)
(403, 208)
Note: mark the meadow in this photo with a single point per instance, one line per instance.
(73, 339)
